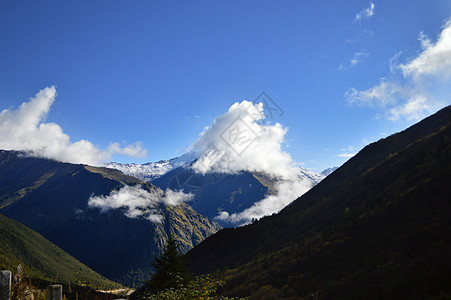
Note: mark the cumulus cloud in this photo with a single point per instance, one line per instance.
(419, 90)
(25, 129)
(366, 13)
(287, 192)
(434, 60)
(240, 140)
(138, 202)
(237, 141)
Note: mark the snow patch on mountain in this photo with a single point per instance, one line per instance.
(311, 176)
(328, 171)
(149, 171)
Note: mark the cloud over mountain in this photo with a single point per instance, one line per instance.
(240, 140)
(287, 191)
(25, 129)
(138, 202)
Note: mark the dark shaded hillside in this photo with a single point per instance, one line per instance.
(42, 259)
(51, 198)
(378, 227)
(217, 192)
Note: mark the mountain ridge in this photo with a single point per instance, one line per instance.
(42, 259)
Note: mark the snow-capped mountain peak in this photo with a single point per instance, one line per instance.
(313, 177)
(150, 171)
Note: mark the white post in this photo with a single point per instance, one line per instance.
(55, 292)
(5, 285)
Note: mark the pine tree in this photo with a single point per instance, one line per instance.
(170, 269)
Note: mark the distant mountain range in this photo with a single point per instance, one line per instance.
(152, 170)
(378, 227)
(149, 171)
(52, 198)
(213, 192)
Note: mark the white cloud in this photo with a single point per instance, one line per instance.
(410, 102)
(25, 129)
(358, 58)
(287, 192)
(393, 62)
(420, 89)
(366, 13)
(174, 197)
(239, 140)
(349, 151)
(414, 109)
(385, 93)
(236, 142)
(138, 202)
(135, 150)
(434, 60)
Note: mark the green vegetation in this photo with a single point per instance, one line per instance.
(200, 288)
(114, 174)
(266, 181)
(180, 220)
(170, 269)
(41, 260)
(172, 279)
(376, 228)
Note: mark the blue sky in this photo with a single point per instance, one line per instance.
(345, 73)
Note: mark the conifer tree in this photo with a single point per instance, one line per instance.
(170, 269)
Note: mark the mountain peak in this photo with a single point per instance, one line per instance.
(152, 170)
(328, 171)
